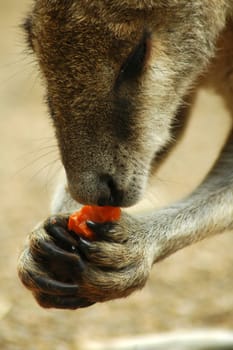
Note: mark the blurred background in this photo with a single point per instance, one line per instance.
(191, 289)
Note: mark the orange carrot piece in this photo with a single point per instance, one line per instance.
(77, 221)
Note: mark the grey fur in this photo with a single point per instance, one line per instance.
(80, 47)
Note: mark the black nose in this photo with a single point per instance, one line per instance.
(109, 193)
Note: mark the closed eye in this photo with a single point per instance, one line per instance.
(135, 63)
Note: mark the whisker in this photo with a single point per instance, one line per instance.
(53, 147)
(15, 62)
(44, 139)
(53, 174)
(168, 181)
(49, 164)
(33, 161)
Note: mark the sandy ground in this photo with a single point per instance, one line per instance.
(192, 289)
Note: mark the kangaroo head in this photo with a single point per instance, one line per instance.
(115, 73)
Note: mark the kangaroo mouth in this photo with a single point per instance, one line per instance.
(104, 190)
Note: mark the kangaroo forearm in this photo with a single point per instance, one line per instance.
(207, 211)
(189, 222)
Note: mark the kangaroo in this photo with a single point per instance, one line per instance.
(118, 74)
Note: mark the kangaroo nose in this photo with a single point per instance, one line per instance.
(109, 193)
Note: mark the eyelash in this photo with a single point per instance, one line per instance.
(27, 28)
(135, 62)
(50, 108)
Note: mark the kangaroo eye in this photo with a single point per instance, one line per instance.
(135, 62)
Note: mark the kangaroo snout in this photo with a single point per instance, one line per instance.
(97, 189)
(110, 193)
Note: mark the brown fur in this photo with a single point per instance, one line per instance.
(110, 129)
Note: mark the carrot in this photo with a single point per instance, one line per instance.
(77, 221)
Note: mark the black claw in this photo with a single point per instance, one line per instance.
(84, 246)
(85, 303)
(100, 229)
(63, 238)
(84, 242)
(70, 303)
(45, 284)
(51, 251)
